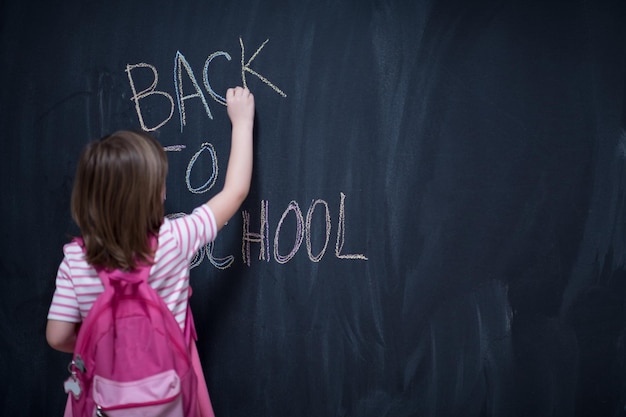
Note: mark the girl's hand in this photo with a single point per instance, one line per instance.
(240, 106)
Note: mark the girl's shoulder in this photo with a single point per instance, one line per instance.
(202, 213)
(73, 249)
(201, 218)
(186, 233)
(74, 259)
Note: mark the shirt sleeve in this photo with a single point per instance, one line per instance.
(194, 230)
(64, 306)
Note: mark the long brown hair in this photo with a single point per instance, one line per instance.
(117, 199)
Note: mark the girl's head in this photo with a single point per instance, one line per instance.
(117, 200)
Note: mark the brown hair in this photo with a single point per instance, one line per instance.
(117, 200)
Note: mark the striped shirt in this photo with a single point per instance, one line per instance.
(78, 284)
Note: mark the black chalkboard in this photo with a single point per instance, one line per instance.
(437, 222)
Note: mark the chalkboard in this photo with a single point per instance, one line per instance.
(436, 225)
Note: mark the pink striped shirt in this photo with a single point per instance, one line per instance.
(78, 284)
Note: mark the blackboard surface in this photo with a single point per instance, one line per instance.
(437, 222)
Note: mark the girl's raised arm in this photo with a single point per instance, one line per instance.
(240, 107)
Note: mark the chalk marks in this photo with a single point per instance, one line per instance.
(292, 207)
(137, 96)
(281, 247)
(174, 148)
(303, 231)
(205, 76)
(219, 263)
(341, 232)
(181, 63)
(309, 217)
(184, 74)
(261, 237)
(246, 68)
(206, 148)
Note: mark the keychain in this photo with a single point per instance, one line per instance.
(72, 384)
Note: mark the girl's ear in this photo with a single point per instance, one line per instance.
(164, 194)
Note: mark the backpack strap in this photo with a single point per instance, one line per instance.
(190, 327)
(140, 273)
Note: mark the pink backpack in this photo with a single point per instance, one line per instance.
(131, 357)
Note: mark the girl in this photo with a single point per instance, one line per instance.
(117, 202)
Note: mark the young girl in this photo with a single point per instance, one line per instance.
(117, 202)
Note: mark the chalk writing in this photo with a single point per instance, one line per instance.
(206, 147)
(341, 232)
(174, 148)
(261, 237)
(303, 230)
(304, 226)
(219, 263)
(246, 68)
(205, 76)
(182, 69)
(146, 93)
(309, 216)
(179, 63)
(292, 207)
